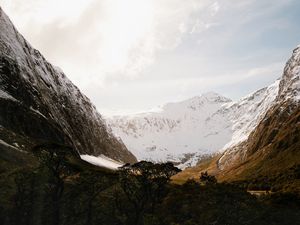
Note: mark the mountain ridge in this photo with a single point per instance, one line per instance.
(196, 127)
(40, 104)
(284, 109)
(272, 149)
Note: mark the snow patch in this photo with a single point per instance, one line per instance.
(37, 112)
(102, 161)
(5, 95)
(3, 143)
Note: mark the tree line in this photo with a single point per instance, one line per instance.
(62, 189)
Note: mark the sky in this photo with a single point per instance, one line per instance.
(133, 55)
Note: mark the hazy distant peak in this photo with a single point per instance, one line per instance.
(196, 101)
(206, 98)
(213, 96)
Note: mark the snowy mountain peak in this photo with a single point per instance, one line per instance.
(289, 87)
(197, 103)
(184, 131)
(215, 97)
(211, 97)
(205, 124)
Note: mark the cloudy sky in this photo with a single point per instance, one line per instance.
(132, 55)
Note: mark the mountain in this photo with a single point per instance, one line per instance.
(39, 104)
(176, 132)
(185, 132)
(270, 154)
(274, 145)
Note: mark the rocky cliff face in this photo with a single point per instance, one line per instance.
(274, 145)
(38, 103)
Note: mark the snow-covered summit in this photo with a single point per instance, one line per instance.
(184, 131)
(290, 82)
(197, 103)
(205, 124)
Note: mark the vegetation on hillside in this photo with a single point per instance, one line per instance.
(61, 189)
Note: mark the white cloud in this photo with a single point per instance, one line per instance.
(109, 36)
(44, 11)
(215, 8)
(153, 50)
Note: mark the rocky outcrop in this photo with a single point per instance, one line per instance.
(40, 104)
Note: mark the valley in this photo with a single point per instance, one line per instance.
(204, 160)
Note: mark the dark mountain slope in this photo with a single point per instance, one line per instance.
(38, 103)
